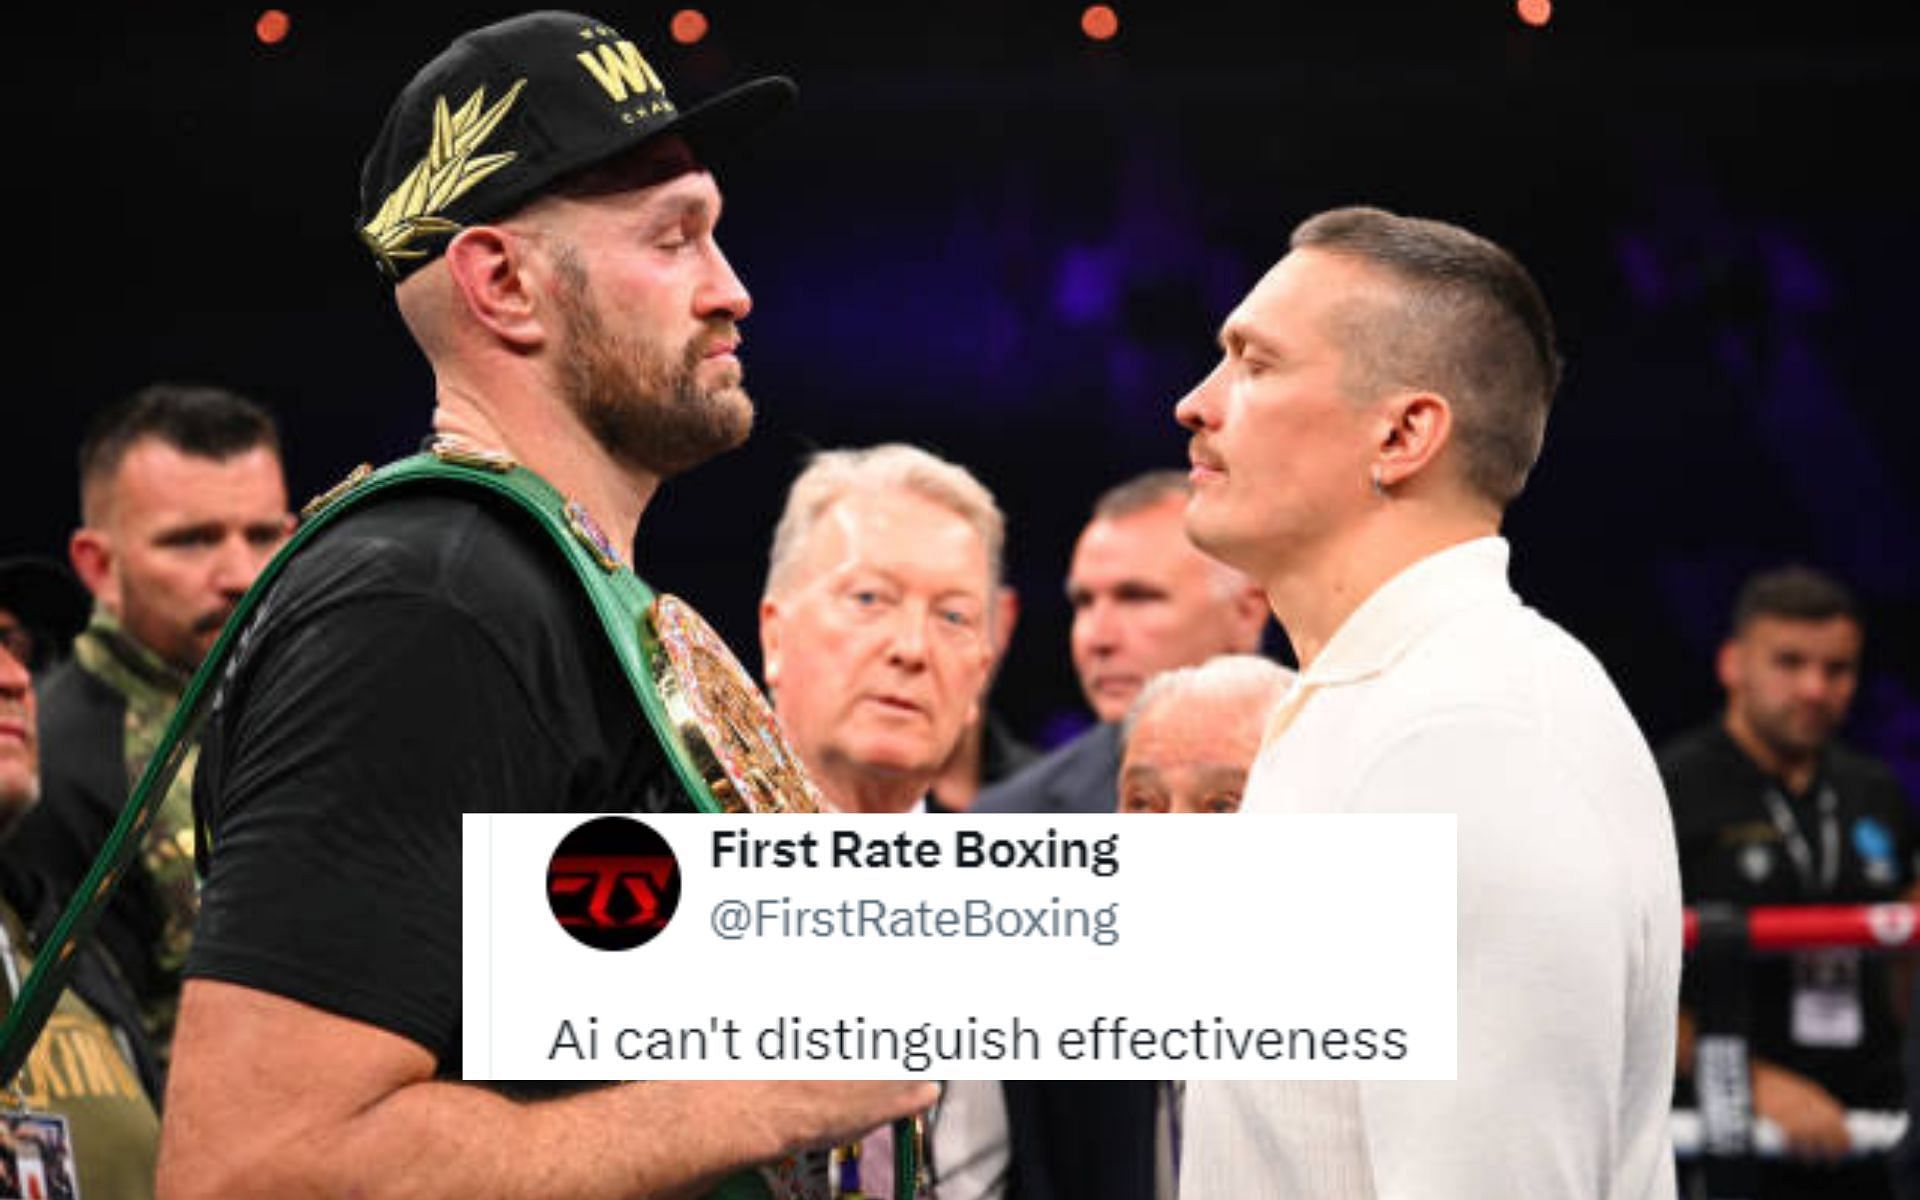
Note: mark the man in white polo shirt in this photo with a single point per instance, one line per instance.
(1381, 397)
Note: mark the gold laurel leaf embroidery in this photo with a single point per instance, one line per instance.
(413, 227)
(477, 170)
(427, 225)
(413, 197)
(488, 121)
(440, 146)
(447, 172)
(470, 107)
(390, 209)
(442, 183)
(387, 209)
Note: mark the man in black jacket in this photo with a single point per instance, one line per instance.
(89, 1078)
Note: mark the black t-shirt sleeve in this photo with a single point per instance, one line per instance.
(357, 743)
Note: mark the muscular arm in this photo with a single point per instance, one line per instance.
(272, 1098)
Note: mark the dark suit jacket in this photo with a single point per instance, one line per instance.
(94, 979)
(1080, 776)
(83, 787)
(1081, 1140)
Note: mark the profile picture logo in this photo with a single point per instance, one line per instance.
(613, 883)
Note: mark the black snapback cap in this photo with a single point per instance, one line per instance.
(508, 109)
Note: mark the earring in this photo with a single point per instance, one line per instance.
(1379, 488)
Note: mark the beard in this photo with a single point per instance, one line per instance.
(644, 405)
(1793, 735)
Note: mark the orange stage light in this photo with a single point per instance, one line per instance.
(1099, 22)
(272, 27)
(689, 26)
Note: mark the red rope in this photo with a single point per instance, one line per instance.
(1817, 926)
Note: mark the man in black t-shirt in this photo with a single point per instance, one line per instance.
(1769, 809)
(548, 217)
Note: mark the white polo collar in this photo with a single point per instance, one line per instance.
(1406, 607)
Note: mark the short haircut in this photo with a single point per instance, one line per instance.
(203, 421)
(1252, 676)
(1470, 324)
(1142, 492)
(1795, 593)
(831, 476)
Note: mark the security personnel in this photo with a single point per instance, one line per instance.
(1769, 809)
(182, 502)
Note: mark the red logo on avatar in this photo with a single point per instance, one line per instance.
(613, 883)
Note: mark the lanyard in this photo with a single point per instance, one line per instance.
(1796, 838)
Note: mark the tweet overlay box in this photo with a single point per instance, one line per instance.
(968, 947)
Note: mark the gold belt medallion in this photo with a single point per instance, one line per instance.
(722, 717)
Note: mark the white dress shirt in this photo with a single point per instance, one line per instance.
(1442, 693)
(972, 1152)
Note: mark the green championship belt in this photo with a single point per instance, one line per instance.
(719, 734)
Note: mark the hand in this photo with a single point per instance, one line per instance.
(808, 1115)
(1813, 1122)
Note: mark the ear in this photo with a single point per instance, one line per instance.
(1726, 664)
(770, 642)
(1417, 426)
(1006, 615)
(91, 553)
(987, 665)
(499, 277)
